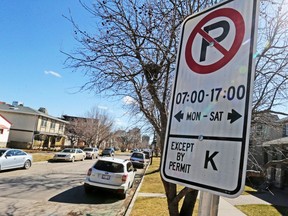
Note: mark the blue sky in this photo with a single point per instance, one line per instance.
(32, 34)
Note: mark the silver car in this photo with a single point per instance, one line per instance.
(91, 152)
(14, 158)
(70, 154)
(139, 159)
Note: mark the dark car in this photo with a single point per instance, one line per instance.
(139, 159)
(108, 152)
(148, 153)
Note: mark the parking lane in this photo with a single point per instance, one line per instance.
(57, 189)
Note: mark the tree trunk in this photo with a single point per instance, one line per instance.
(189, 203)
(171, 193)
(173, 208)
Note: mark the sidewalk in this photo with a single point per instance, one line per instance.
(227, 205)
(224, 209)
(227, 209)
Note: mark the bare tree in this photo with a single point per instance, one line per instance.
(128, 139)
(98, 128)
(271, 81)
(122, 138)
(133, 53)
(93, 129)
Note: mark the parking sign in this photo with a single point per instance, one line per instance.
(207, 134)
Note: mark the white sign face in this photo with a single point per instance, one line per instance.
(207, 135)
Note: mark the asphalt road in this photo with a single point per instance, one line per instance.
(56, 188)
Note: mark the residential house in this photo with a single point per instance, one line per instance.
(277, 150)
(4, 131)
(263, 128)
(31, 128)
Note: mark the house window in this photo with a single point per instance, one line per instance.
(61, 127)
(1, 131)
(52, 125)
(259, 130)
(286, 130)
(44, 122)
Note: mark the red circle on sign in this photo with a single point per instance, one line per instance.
(237, 18)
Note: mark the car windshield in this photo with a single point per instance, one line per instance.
(137, 155)
(109, 166)
(69, 150)
(2, 152)
(107, 150)
(88, 149)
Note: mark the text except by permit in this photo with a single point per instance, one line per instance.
(179, 167)
(182, 146)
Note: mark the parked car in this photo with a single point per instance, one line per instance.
(139, 160)
(70, 154)
(14, 158)
(135, 150)
(91, 152)
(112, 174)
(148, 153)
(108, 152)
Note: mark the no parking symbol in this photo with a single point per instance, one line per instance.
(203, 29)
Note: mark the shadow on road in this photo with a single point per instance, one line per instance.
(77, 195)
(277, 197)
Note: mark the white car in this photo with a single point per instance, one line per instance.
(14, 158)
(111, 174)
(91, 152)
(70, 154)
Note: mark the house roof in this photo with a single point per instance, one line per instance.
(281, 141)
(284, 119)
(3, 127)
(5, 120)
(26, 110)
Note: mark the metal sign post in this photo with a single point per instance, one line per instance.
(208, 205)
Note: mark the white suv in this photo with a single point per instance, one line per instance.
(111, 174)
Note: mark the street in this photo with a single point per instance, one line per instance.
(55, 188)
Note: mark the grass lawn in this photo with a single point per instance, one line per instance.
(37, 157)
(150, 206)
(263, 210)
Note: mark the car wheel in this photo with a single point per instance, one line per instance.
(123, 195)
(27, 164)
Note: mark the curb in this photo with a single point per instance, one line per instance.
(135, 195)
